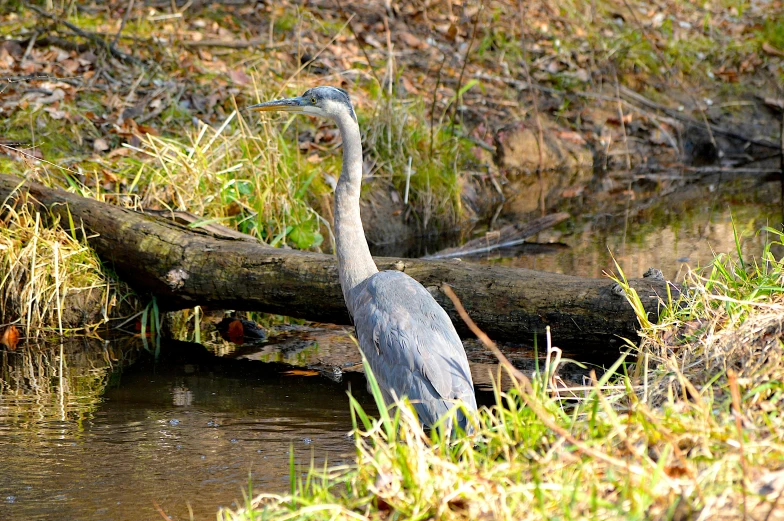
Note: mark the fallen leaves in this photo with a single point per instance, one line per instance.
(239, 77)
(100, 145)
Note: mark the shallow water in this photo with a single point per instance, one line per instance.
(185, 433)
(673, 232)
(118, 434)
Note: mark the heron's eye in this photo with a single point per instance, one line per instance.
(313, 100)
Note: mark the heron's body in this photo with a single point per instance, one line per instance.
(411, 345)
(407, 338)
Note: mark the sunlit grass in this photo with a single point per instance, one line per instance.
(52, 282)
(660, 443)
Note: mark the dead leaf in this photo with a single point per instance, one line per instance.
(87, 58)
(676, 471)
(627, 118)
(572, 191)
(55, 113)
(100, 145)
(146, 129)
(57, 95)
(574, 137)
(10, 337)
(70, 65)
(118, 152)
(60, 54)
(301, 372)
(236, 332)
(411, 41)
(583, 75)
(554, 67)
(239, 77)
(410, 88)
(768, 48)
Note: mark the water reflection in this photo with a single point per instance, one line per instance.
(681, 227)
(185, 433)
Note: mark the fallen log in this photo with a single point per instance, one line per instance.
(185, 267)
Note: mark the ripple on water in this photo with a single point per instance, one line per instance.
(139, 443)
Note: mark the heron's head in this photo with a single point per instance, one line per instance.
(328, 102)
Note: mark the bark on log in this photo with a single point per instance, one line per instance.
(184, 267)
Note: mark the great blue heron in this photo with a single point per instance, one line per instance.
(407, 338)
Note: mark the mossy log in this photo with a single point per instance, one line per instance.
(183, 267)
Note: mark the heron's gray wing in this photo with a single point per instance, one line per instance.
(411, 345)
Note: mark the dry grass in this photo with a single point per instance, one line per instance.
(693, 432)
(50, 281)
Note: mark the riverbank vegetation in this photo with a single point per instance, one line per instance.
(53, 282)
(139, 104)
(686, 426)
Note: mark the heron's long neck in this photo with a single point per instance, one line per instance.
(354, 261)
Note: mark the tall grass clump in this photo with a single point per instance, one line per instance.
(399, 141)
(49, 281)
(693, 431)
(729, 317)
(246, 178)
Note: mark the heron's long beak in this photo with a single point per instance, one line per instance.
(282, 105)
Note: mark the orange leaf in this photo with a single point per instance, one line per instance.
(10, 337)
(236, 332)
(301, 372)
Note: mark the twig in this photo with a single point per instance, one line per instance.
(543, 415)
(433, 105)
(508, 236)
(623, 123)
(389, 73)
(683, 117)
(124, 21)
(465, 62)
(732, 376)
(160, 511)
(234, 44)
(538, 119)
(781, 164)
(408, 180)
(315, 56)
(84, 34)
(634, 96)
(775, 504)
(30, 46)
(663, 61)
